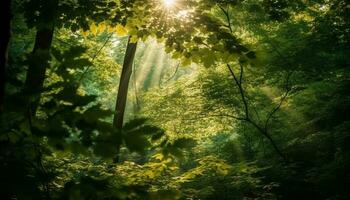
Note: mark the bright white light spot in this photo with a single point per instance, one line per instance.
(169, 3)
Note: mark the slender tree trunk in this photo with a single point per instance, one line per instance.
(5, 36)
(38, 64)
(124, 85)
(123, 89)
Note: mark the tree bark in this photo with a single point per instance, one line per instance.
(124, 85)
(5, 36)
(123, 90)
(38, 64)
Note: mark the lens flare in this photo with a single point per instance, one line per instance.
(169, 3)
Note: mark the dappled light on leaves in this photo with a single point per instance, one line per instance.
(175, 100)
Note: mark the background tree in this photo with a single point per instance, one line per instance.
(4, 43)
(222, 86)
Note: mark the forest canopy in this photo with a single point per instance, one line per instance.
(175, 99)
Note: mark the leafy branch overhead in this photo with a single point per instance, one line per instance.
(174, 99)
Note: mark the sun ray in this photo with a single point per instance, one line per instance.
(158, 68)
(145, 64)
(169, 3)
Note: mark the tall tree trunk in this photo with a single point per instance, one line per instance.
(5, 36)
(124, 85)
(123, 89)
(38, 64)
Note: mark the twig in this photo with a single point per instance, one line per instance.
(283, 98)
(238, 81)
(94, 57)
(172, 76)
(240, 88)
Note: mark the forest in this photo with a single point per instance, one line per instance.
(175, 100)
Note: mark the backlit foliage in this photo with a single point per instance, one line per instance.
(228, 99)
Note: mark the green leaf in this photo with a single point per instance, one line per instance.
(136, 142)
(96, 112)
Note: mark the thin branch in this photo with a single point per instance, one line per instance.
(64, 42)
(95, 56)
(227, 15)
(172, 76)
(238, 81)
(240, 88)
(283, 98)
(262, 130)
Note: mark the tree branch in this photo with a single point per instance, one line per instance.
(240, 89)
(283, 98)
(238, 81)
(95, 56)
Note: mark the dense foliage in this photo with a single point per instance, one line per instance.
(229, 99)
